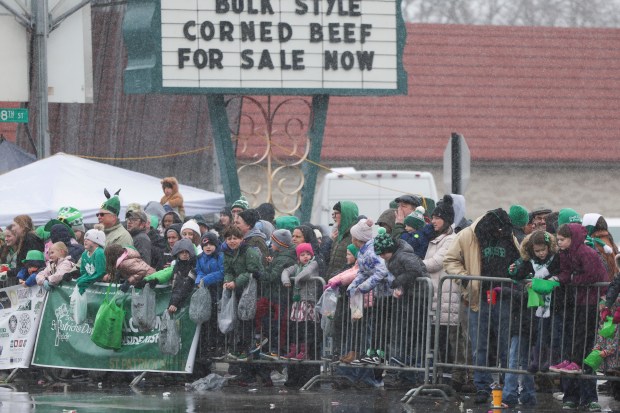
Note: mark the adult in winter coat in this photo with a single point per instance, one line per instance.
(172, 197)
(453, 347)
(252, 237)
(345, 215)
(115, 233)
(486, 249)
(23, 240)
(602, 241)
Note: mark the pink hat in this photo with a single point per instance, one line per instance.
(305, 247)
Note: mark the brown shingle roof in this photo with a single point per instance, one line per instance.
(515, 93)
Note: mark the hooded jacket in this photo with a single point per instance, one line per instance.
(257, 239)
(184, 274)
(240, 265)
(464, 257)
(580, 265)
(338, 253)
(270, 282)
(305, 279)
(210, 268)
(175, 200)
(372, 274)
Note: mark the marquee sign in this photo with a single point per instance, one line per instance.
(337, 47)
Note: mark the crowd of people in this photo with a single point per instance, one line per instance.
(549, 255)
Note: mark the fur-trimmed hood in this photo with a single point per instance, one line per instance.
(172, 181)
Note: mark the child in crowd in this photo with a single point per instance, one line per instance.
(210, 270)
(579, 265)
(172, 199)
(92, 266)
(125, 265)
(539, 259)
(183, 275)
(33, 264)
(58, 265)
(191, 231)
(240, 263)
(607, 347)
(417, 232)
(304, 298)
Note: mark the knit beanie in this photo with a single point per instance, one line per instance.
(445, 210)
(282, 238)
(191, 224)
(518, 216)
(73, 217)
(287, 222)
(240, 203)
(112, 203)
(568, 216)
(362, 231)
(304, 247)
(416, 218)
(210, 238)
(384, 243)
(250, 216)
(353, 249)
(96, 236)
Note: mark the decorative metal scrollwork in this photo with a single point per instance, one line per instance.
(271, 145)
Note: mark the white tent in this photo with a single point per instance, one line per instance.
(41, 188)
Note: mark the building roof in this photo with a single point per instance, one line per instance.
(514, 93)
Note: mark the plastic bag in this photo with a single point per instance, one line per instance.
(247, 303)
(200, 305)
(211, 382)
(534, 299)
(356, 304)
(227, 313)
(169, 338)
(78, 305)
(329, 302)
(609, 328)
(108, 327)
(143, 309)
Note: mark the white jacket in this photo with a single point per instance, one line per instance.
(450, 294)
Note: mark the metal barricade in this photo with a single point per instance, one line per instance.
(506, 328)
(392, 334)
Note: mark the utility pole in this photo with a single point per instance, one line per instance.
(40, 19)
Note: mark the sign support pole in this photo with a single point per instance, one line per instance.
(224, 150)
(40, 17)
(456, 163)
(311, 169)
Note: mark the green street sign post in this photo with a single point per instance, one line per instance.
(14, 115)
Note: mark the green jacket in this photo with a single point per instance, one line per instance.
(338, 253)
(270, 281)
(240, 264)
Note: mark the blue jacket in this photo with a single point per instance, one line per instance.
(210, 268)
(31, 279)
(419, 240)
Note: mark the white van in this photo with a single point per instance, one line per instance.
(372, 191)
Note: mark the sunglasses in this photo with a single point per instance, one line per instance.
(100, 214)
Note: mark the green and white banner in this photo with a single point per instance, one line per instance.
(20, 308)
(63, 343)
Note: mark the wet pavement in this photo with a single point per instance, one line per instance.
(153, 395)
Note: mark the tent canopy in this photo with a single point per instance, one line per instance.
(13, 156)
(41, 188)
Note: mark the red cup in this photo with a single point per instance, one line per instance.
(492, 297)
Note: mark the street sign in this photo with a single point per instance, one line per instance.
(456, 165)
(14, 115)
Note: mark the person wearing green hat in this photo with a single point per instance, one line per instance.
(344, 214)
(238, 206)
(115, 233)
(33, 263)
(520, 219)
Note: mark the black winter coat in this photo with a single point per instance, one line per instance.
(405, 266)
(183, 284)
